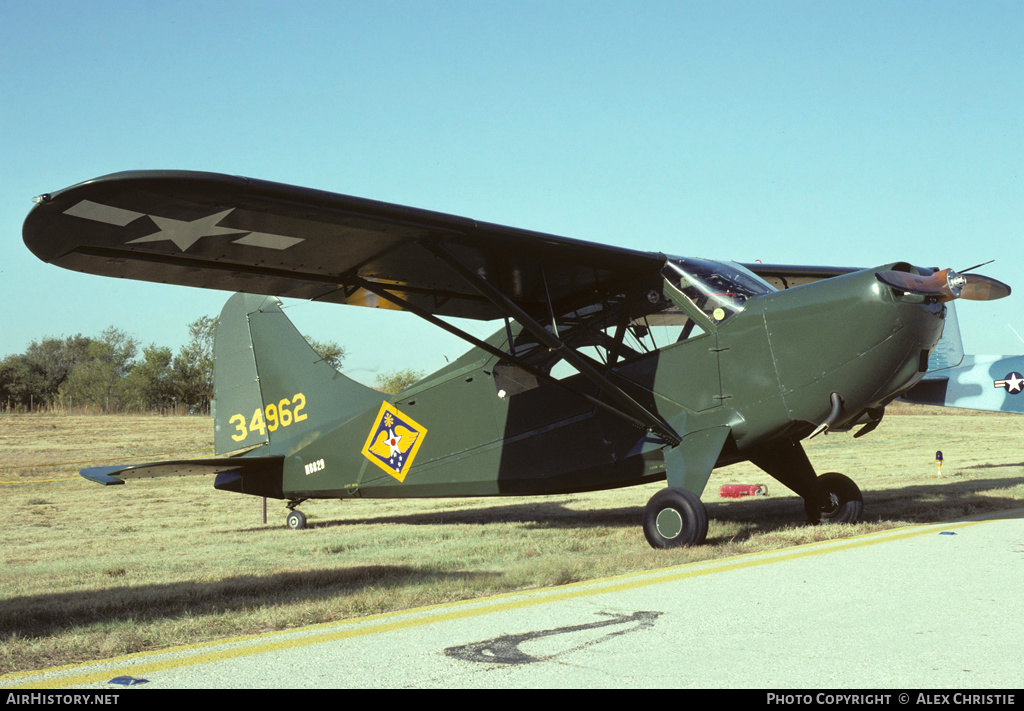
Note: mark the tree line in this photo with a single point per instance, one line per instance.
(114, 374)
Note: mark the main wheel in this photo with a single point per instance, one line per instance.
(296, 520)
(675, 517)
(845, 501)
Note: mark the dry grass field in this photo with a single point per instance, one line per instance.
(91, 571)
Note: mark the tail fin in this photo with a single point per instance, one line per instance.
(270, 386)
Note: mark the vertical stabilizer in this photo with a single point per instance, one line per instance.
(270, 386)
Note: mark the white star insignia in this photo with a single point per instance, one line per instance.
(182, 233)
(1014, 384)
(185, 234)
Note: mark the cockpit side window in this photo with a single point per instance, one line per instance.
(661, 323)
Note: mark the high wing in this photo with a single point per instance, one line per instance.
(239, 234)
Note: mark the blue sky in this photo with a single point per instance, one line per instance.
(845, 133)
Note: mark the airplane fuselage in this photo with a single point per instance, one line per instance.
(766, 372)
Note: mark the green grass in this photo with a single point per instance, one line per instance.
(91, 571)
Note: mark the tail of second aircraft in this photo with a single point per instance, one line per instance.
(973, 382)
(270, 386)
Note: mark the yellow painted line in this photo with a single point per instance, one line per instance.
(500, 603)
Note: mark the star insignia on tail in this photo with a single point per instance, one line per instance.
(1013, 383)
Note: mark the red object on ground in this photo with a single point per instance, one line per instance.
(737, 491)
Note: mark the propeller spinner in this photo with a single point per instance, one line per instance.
(946, 285)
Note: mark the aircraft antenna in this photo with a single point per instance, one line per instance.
(976, 266)
(1015, 332)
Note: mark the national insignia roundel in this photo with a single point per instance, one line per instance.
(1013, 383)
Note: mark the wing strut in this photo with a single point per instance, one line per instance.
(483, 345)
(622, 399)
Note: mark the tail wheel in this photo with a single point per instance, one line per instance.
(675, 517)
(845, 502)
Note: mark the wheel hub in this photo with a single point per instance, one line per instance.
(669, 523)
(831, 504)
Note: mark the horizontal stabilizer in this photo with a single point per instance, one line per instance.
(980, 382)
(185, 467)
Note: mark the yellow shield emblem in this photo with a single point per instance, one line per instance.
(394, 440)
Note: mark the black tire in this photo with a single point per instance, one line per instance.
(296, 521)
(847, 501)
(675, 517)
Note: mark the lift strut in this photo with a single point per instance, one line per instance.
(622, 400)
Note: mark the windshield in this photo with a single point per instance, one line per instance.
(719, 289)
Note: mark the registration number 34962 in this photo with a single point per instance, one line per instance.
(284, 413)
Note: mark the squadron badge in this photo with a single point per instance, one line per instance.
(393, 442)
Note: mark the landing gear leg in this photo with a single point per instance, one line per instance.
(675, 516)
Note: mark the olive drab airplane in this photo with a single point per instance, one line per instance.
(610, 367)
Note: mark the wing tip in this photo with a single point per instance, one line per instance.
(102, 475)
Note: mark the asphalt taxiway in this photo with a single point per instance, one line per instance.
(928, 607)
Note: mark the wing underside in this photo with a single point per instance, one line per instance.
(238, 234)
